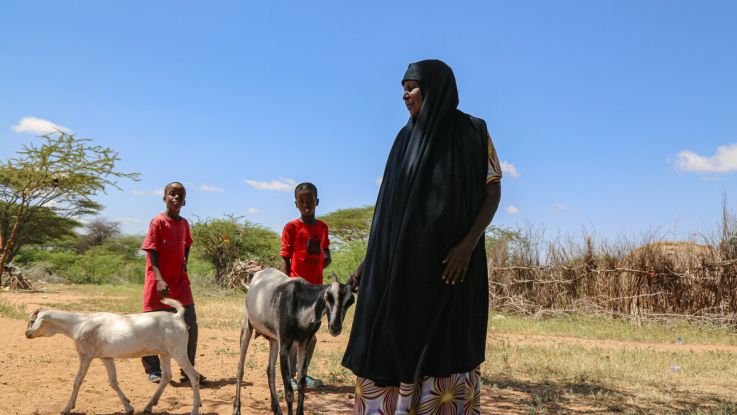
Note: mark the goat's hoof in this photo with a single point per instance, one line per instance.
(129, 410)
(146, 410)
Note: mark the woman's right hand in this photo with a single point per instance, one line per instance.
(355, 278)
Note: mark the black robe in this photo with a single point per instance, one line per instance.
(408, 322)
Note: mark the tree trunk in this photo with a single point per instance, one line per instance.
(8, 248)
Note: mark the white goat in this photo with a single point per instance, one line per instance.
(288, 312)
(109, 336)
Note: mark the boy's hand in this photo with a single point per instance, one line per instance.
(162, 288)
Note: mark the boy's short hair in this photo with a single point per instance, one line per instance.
(305, 187)
(166, 188)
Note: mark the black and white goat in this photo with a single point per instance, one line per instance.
(288, 312)
(109, 336)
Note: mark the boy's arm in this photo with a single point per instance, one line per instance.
(286, 265)
(161, 287)
(186, 258)
(328, 258)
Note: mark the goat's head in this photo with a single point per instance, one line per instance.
(338, 299)
(36, 326)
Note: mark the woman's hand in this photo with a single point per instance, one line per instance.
(456, 262)
(355, 278)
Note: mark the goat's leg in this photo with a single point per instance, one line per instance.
(304, 355)
(286, 378)
(194, 378)
(271, 375)
(84, 364)
(165, 361)
(112, 377)
(246, 334)
(300, 376)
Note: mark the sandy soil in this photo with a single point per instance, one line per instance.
(36, 376)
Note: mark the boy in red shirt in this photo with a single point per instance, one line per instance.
(167, 245)
(305, 245)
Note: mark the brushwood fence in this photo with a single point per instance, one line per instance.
(661, 280)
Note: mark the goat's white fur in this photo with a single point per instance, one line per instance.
(109, 336)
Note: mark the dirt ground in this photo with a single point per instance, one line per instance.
(36, 376)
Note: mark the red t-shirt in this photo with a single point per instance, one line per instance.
(169, 238)
(303, 244)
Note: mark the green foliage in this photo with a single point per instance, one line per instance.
(43, 226)
(222, 241)
(128, 246)
(62, 174)
(98, 231)
(201, 273)
(504, 243)
(348, 225)
(346, 259)
(114, 262)
(65, 170)
(97, 268)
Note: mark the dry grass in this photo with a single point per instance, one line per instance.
(654, 279)
(586, 369)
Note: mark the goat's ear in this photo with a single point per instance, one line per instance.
(333, 277)
(35, 314)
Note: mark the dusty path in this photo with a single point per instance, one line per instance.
(36, 376)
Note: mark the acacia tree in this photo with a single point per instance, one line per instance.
(350, 224)
(63, 173)
(42, 226)
(223, 241)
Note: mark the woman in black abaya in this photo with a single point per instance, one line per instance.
(419, 332)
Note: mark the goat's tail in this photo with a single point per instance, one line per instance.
(245, 282)
(176, 304)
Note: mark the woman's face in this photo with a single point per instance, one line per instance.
(412, 97)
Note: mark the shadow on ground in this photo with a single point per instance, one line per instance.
(513, 396)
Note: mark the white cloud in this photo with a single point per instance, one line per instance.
(253, 210)
(281, 185)
(209, 188)
(509, 169)
(558, 207)
(512, 210)
(38, 126)
(157, 192)
(723, 161)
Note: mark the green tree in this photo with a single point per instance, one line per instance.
(351, 224)
(98, 230)
(42, 227)
(63, 174)
(222, 241)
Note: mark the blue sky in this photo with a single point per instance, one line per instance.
(615, 116)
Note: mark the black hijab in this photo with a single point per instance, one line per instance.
(408, 323)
